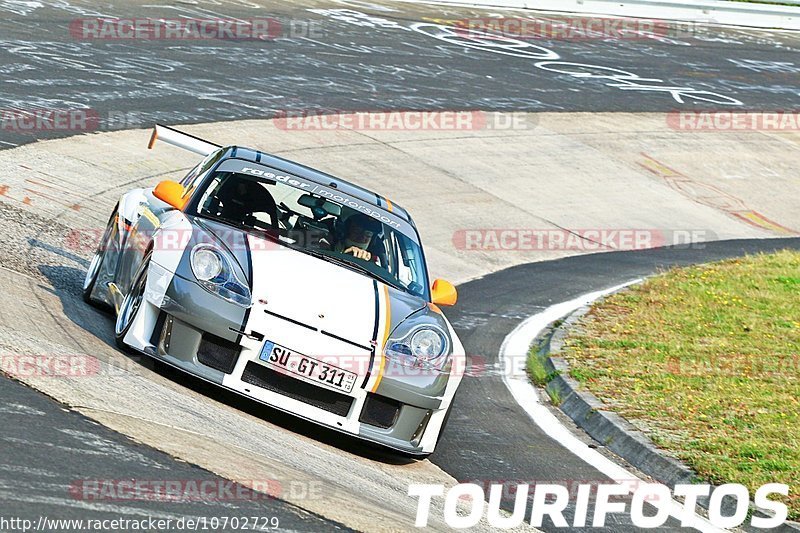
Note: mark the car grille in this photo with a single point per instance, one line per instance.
(330, 401)
(380, 411)
(218, 353)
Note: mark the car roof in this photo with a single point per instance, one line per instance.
(319, 177)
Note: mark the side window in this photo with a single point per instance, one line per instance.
(191, 175)
(401, 261)
(209, 205)
(193, 178)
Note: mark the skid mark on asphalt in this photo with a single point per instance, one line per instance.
(15, 408)
(65, 196)
(711, 196)
(53, 192)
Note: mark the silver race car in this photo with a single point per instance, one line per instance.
(286, 285)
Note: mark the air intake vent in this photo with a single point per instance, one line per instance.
(330, 401)
(380, 411)
(218, 353)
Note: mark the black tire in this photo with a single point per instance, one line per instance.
(96, 264)
(131, 304)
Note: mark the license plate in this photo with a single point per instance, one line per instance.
(307, 368)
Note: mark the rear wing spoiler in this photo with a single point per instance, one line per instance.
(181, 140)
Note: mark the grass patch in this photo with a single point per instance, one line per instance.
(707, 360)
(536, 369)
(538, 372)
(555, 396)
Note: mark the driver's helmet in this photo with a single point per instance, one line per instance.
(365, 222)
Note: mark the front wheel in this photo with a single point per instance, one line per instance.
(131, 304)
(96, 264)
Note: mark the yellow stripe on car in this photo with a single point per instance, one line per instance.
(149, 215)
(387, 313)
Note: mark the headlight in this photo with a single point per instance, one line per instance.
(214, 271)
(206, 264)
(424, 346)
(427, 343)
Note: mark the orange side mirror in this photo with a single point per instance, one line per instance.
(443, 293)
(170, 192)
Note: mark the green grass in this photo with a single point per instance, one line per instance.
(706, 360)
(536, 369)
(539, 374)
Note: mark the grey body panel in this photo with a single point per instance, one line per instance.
(178, 346)
(404, 434)
(189, 302)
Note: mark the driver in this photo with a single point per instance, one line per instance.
(359, 230)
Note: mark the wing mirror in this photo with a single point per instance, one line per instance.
(170, 192)
(443, 293)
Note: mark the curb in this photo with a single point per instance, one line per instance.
(603, 425)
(612, 430)
(725, 12)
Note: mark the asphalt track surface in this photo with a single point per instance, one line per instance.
(363, 63)
(51, 457)
(489, 438)
(357, 55)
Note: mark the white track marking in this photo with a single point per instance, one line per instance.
(512, 352)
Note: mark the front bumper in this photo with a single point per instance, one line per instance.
(197, 332)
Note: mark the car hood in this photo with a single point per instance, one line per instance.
(313, 292)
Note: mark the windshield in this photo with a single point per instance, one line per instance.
(316, 225)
